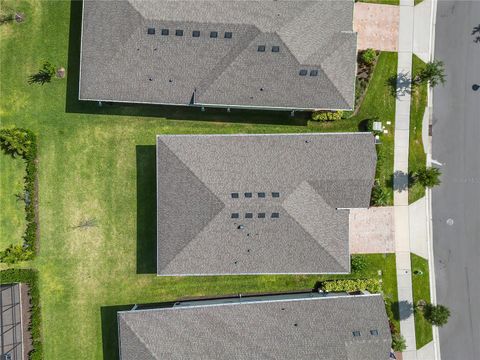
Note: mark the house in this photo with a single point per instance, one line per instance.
(259, 204)
(296, 326)
(247, 54)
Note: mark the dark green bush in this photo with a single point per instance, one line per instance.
(30, 277)
(380, 196)
(23, 143)
(15, 253)
(398, 342)
(358, 263)
(436, 314)
(368, 56)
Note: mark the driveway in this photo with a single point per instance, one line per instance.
(371, 230)
(377, 26)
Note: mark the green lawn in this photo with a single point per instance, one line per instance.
(98, 166)
(416, 156)
(421, 291)
(12, 210)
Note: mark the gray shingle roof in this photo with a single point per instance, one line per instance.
(260, 330)
(121, 62)
(317, 177)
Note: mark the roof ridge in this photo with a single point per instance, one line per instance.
(147, 348)
(227, 60)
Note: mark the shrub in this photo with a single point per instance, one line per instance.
(428, 177)
(433, 73)
(327, 115)
(358, 263)
(368, 56)
(351, 285)
(398, 342)
(436, 314)
(380, 196)
(23, 142)
(43, 75)
(30, 277)
(14, 254)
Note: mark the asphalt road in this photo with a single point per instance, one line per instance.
(456, 202)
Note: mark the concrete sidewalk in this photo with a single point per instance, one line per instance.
(400, 182)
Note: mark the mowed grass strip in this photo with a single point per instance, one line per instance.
(421, 291)
(12, 208)
(416, 156)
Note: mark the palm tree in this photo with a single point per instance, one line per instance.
(433, 73)
(427, 177)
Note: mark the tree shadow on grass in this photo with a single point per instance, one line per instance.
(73, 105)
(146, 209)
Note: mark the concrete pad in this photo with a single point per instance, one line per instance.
(426, 352)
(418, 228)
(405, 32)
(372, 230)
(421, 31)
(377, 26)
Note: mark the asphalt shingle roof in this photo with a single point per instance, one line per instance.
(313, 328)
(121, 62)
(201, 229)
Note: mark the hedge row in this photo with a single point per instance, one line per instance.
(351, 285)
(30, 277)
(22, 143)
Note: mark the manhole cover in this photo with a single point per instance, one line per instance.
(450, 222)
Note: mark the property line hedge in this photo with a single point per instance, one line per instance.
(30, 277)
(19, 142)
(351, 285)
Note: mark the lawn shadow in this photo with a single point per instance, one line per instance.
(110, 330)
(146, 209)
(402, 310)
(73, 105)
(400, 85)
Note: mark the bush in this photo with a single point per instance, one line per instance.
(43, 75)
(358, 263)
(351, 285)
(327, 115)
(23, 143)
(368, 56)
(427, 177)
(14, 254)
(30, 277)
(380, 196)
(398, 342)
(436, 314)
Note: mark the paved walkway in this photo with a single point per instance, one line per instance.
(400, 182)
(372, 230)
(377, 26)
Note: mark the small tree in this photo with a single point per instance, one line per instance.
(398, 342)
(436, 314)
(428, 177)
(433, 73)
(15, 253)
(15, 141)
(368, 56)
(44, 75)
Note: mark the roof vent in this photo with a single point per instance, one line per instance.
(275, 48)
(213, 34)
(261, 48)
(313, 72)
(275, 194)
(165, 32)
(196, 33)
(303, 72)
(235, 215)
(248, 194)
(248, 215)
(261, 215)
(374, 332)
(275, 215)
(234, 195)
(151, 31)
(227, 35)
(178, 32)
(261, 194)
(356, 333)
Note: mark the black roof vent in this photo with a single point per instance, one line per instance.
(248, 194)
(227, 35)
(261, 48)
(235, 215)
(356, 333)
(151, 31)
(234, 195)
(374, 332)
(261, 194)
(313, 72)
(213, 34)
(275, 215)
(248, 215)
(196, 33)
(275, 48)
(261, 215)
(303, 72)
(179, 32)
(275, 194)
(165, 32)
